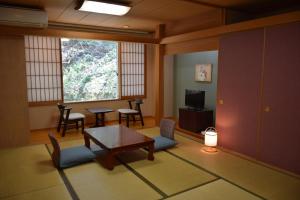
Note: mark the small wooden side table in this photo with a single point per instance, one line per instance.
(100, 115)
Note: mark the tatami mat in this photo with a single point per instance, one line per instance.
(168, 173)
(92, 181)
(217, 190)
(52, 193)
(256, 178)
(26, 169)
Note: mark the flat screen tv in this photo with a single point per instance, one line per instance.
(195, 99)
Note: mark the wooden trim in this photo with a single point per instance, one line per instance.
(145, 71)
(242, 26)
(120, 70)
(159, 76)
(61, 73)
(43, 103)
(105, 100)
(206, 44)
(9, 30)
(133, 97)
(204, 4)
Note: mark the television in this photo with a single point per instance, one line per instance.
(194, 99)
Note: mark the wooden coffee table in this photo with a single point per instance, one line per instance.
(116, 139)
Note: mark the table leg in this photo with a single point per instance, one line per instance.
(110, 161)
(120, 118)
(87, 141)
(102, 120)
(151, 151)
(97, 119)
(127, 120)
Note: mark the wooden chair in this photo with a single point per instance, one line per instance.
(69, 157)
(66, 118)
(129, 114)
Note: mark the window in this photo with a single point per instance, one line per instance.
(133, 70)
(77, 70)
(90, 70)
(43, 70)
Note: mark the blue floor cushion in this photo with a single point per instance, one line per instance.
(75, 155)
(96, 149)
(161, 143)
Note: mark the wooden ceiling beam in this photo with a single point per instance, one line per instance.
(9, 30)
(242, 26)
(204, 4)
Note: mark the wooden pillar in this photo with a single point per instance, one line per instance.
(159, 75)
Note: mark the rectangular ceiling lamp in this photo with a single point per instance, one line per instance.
(104, 7)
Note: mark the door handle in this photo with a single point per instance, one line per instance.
(267, 109)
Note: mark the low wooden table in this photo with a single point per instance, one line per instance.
(100, 121)
(116, 139)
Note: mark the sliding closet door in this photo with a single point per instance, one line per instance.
(280, 131)
(239, 77)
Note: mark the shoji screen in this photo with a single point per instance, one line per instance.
(132, 70)
(43, 69)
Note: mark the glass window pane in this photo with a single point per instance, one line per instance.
(90, 70)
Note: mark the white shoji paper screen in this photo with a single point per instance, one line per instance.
(43, 69)
(132, 69)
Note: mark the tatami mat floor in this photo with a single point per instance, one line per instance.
(184, 172)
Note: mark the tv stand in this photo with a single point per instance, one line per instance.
(195, 120)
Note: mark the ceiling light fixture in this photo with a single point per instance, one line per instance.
(103, 7)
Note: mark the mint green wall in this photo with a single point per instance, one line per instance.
(184, 77)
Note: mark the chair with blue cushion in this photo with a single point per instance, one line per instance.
(166, 138)
(69, 157)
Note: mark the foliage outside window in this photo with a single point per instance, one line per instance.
(90, 70)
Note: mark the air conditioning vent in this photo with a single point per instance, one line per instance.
(26, 17)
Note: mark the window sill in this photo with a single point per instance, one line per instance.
(84, 102)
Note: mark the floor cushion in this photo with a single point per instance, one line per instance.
(161, 143)
(75, 155)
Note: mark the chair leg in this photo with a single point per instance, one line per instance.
(133, 118)
(142, 120)
(127, 121)
(82, 126)
(59, 125)
(77, 125)
(65, 129)
(120, 120)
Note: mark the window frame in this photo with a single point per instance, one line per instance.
(51, 102)
(145, 76)
(120, 96)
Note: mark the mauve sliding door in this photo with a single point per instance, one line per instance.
(239, 82)
(280, 131)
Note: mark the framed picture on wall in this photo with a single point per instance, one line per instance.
(203, 72)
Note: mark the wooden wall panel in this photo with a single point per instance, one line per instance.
(280, 131)
(240, 64)
(13, 108)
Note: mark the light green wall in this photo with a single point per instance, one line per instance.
(184, 78)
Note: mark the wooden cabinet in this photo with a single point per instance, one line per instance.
(195, 121)
(259, 89)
